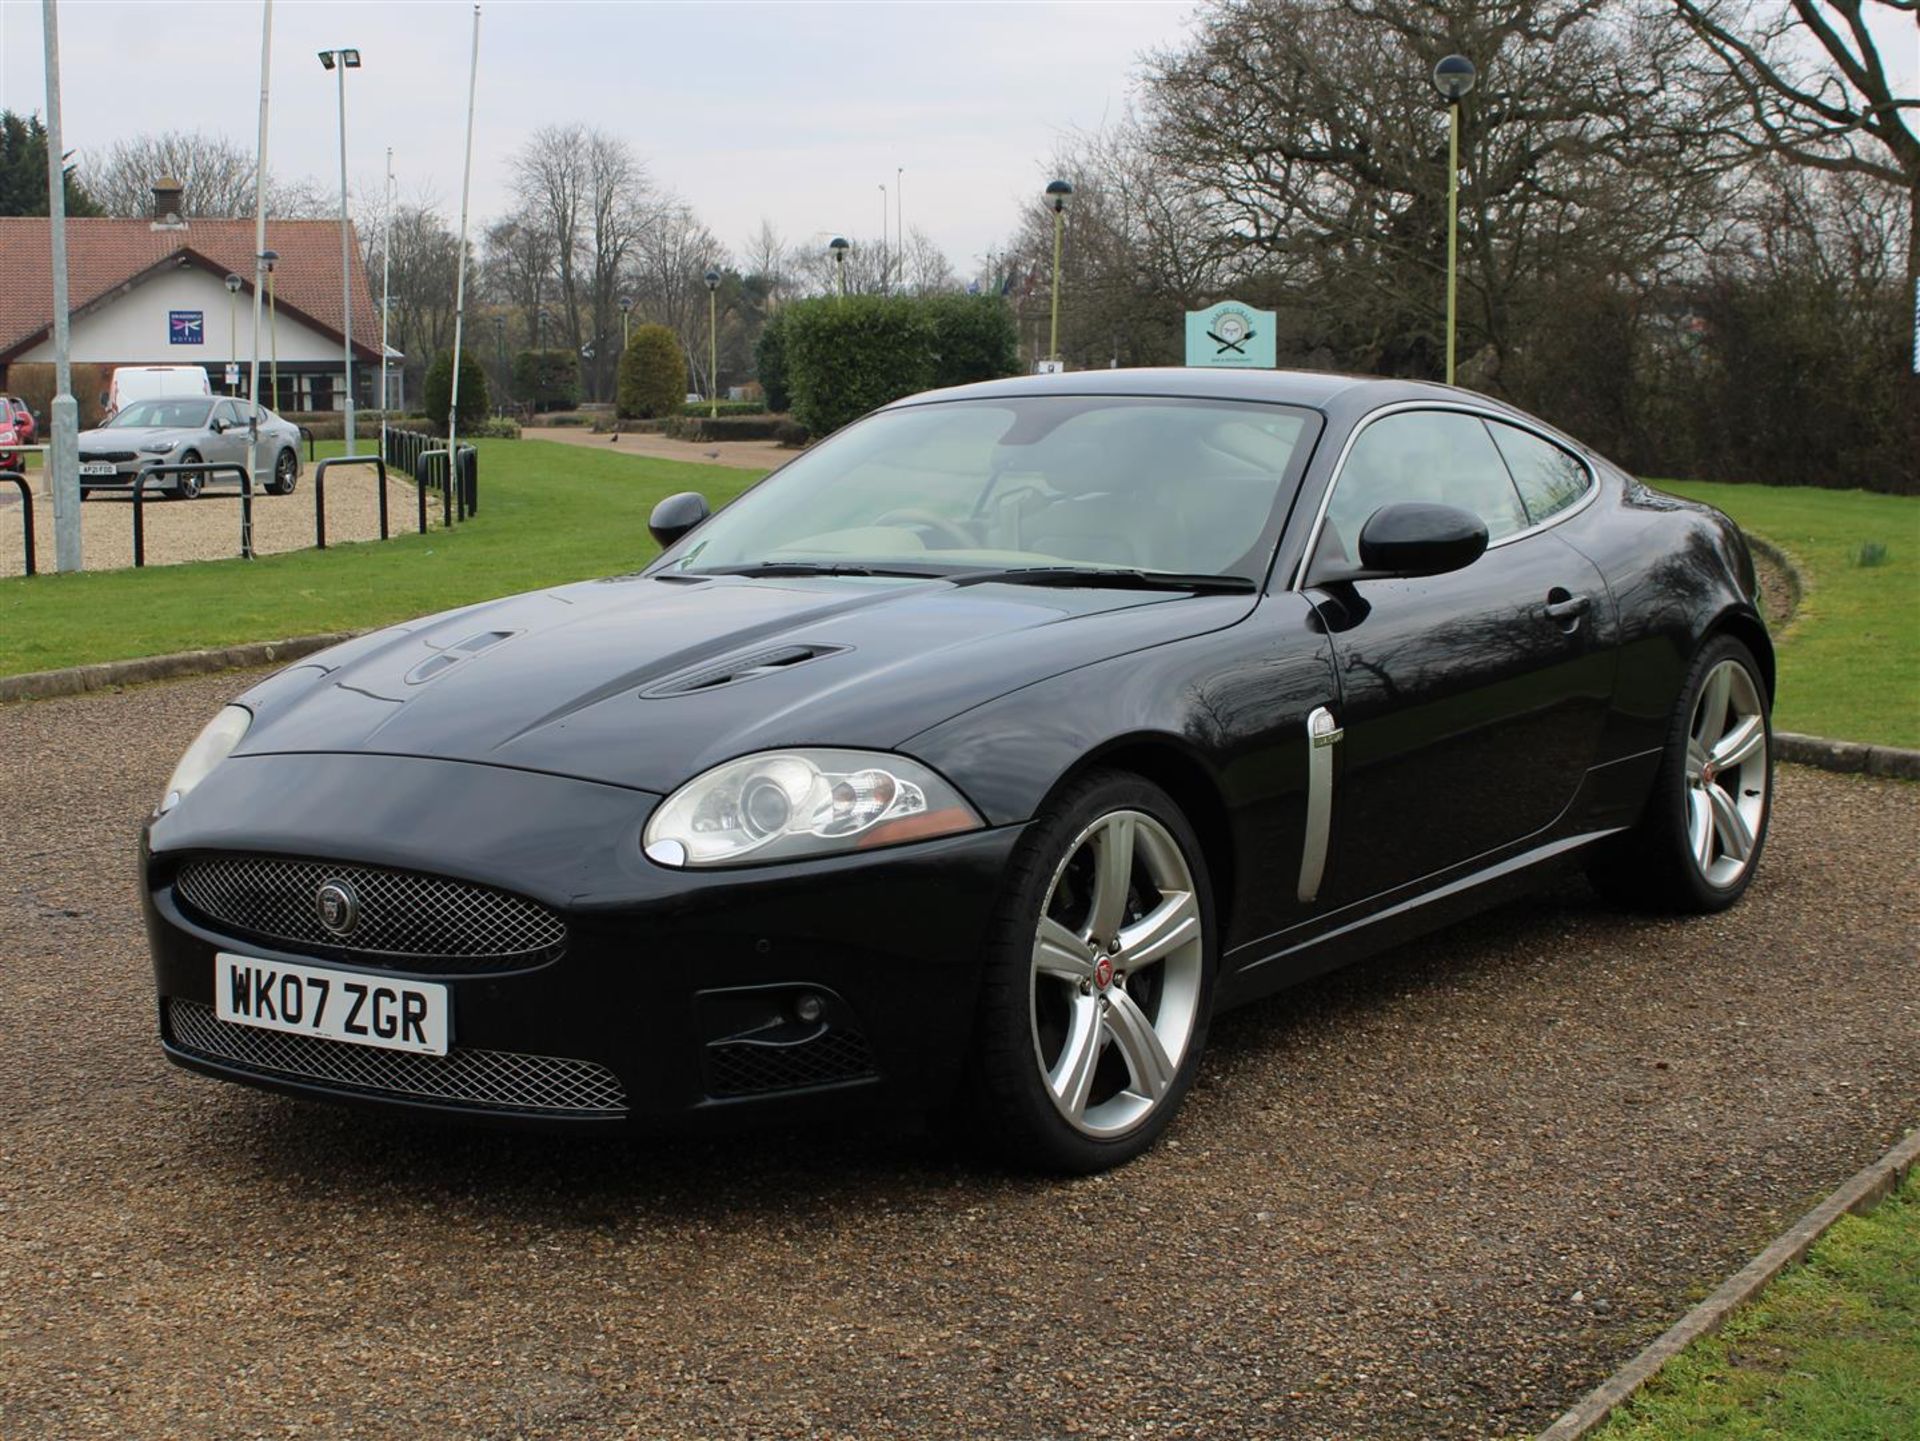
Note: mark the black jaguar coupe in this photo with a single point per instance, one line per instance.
(968, 765)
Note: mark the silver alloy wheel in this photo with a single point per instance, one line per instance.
(1118, 960)
(1727, 774)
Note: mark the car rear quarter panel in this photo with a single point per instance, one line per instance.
(1680, 572)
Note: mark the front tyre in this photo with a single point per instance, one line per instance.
(1099, 980)
(286, 474)
(187, 487)
(1699, 842)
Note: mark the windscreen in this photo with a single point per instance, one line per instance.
(1158, 484)
(172, 414)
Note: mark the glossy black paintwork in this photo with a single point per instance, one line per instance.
(523, 743)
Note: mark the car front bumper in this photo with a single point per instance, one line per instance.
(676, 999)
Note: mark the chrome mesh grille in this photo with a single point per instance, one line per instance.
(487, 1080)
(401, 913)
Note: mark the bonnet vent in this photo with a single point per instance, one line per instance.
(738, 668)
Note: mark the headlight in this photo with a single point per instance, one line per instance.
(209, 748)
(157, 447)
(789, 805)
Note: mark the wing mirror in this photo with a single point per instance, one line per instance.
(1420, 539)
(217, 426)
(676, 515)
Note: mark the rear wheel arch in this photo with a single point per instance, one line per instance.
(1748, 630)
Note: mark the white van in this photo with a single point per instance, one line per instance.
(153, 382)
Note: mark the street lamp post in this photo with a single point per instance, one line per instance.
(626, 310)
(886, 278)
(386, 296)
(340, 62)
(712, 278)
(1057, 192)
(232, 377)
(270, 258)
(500, 361)
(837, 248)
(1453, 77)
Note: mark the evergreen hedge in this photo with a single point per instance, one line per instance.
(546, 379)
(847, 355)
(437, 394)
(653, 374)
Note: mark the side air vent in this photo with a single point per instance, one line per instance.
(738, 668)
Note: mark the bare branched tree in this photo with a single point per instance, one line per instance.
(1815, 89)
(216, 178)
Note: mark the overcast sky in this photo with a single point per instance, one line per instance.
(795, 112)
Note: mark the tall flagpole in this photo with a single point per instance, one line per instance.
(386, 295)
(259, 238)
(460, 284)
(63, 460)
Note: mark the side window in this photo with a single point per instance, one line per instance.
(1549, 478)
(225, 413)
(1439, 456)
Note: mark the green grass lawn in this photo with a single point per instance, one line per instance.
(1829, 1352)
(549, 513)
(1850, 660)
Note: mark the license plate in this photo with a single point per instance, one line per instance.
(346, 1006)
(97, 467)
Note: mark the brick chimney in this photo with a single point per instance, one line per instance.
(166, 204)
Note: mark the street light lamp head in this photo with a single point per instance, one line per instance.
(626, 304)
(1056, 195)
(350, 58)
(1453, 77)
(268, 258)
(233, 284)
(839, 247)
(326, 60)
(712, 277)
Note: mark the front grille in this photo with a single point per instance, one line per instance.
(485, 1080)
(427, 923)
(751, 1068)
(116, 456)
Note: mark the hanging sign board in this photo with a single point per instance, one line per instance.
(1232, 335)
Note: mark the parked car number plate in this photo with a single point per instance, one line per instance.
(97, 467)
(346, 1006)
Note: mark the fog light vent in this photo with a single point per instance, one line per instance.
(753, 1068)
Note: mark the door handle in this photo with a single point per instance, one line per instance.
(1564, 607)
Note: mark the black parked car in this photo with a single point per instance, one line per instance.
(980, 755)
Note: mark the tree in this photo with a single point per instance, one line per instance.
(1828, 105)
(653, 374)
(216, 178)
(665, 273)
(592, 198)
(437, 394)
(426, 256)
(23, 170)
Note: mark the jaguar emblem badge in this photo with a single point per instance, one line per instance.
(336, 907)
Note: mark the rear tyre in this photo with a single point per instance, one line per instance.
(1099, 980)
(1699, 842)
(286, 474)
(186, 487)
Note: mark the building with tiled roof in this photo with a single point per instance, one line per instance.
(153, 292)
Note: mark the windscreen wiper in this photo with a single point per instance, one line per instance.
(1112, 577)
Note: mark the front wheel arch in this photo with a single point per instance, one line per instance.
(1751, 633)
(1189, 785)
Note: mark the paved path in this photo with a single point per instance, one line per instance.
(746, 454)
(1438, 1195)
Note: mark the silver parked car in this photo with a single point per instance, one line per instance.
(187, 430)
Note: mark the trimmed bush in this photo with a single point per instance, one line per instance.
(975, 337)
(792, 434)
(437, 392)
(847, 355)
(770, 361)
(547, 379)
(653, 374)
(724, 407)
(725, 427)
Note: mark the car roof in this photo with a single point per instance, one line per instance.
(1313, 388)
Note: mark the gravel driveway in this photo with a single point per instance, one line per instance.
(1437, 1195)
(209, 528)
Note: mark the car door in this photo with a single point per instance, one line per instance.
(229, 445)
(1471, 703)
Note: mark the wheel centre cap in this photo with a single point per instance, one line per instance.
(1103, 973)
